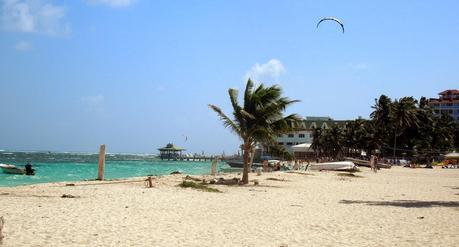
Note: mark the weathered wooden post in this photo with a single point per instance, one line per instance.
(100, 175)
(213, 167)
(150, 182)
(2, 221)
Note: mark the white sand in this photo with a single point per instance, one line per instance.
(322, 209)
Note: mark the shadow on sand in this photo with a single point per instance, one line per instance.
(406, 203)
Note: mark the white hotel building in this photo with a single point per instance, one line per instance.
(304, 134)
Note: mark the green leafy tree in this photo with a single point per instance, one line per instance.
(403, 114)
(258, 120)
(381, 118)
(333, 140)
(317, 144)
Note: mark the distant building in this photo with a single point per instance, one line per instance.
(448, 102)
(304, 134)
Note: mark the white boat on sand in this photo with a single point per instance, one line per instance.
(334, 166)
(11, 169)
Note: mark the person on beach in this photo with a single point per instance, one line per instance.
(277, 167)
(265, 166)
(29, 170)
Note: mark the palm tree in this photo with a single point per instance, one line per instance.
(259, 120)
(381, 119)
(333, 140)
(403, 114)
(317, 144)
(381, 113)
(443, 132)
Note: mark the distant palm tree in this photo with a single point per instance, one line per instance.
(403, 114)
(259, 120)
(360, 135)
(317, 144)
(333, 140)
(381, 119)
(381, 113)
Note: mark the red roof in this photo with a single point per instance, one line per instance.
(449, 91)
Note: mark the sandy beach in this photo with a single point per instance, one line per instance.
(395, 207)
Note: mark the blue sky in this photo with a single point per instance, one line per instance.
(137, 74)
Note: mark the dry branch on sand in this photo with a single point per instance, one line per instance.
(2, 222)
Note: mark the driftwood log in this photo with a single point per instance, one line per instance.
(2, 222)
(149, 182)
(188, 177)
(223, 181)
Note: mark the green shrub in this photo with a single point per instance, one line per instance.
(197, 186)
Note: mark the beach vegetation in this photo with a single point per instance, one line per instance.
(402, 127)
(258, 120)
(198, 186)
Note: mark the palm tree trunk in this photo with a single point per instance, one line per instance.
(245, 171)
(395, 145)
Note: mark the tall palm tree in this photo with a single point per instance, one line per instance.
(317, 144)
(443, 132)
(403, 114)
(259, 120)
(333, 140)
(381, 119)
(381, 113)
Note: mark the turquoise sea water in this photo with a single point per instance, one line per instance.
(73, 169)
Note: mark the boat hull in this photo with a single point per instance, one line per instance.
(240, 164)
(334, 166)
(11, 169)
(366, 163)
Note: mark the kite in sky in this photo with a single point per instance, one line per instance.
(331, 19)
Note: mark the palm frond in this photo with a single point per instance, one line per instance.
(227, 122)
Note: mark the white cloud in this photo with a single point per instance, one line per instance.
(23, 46)
(267, 71)
(113, 3)
(94, 103)
(33, 16)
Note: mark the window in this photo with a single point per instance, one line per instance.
(280, 143)
(310, 135)
(279, 135)
(301, 135)
(290, 135)
(289, 143)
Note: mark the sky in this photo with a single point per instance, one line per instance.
(138, 74)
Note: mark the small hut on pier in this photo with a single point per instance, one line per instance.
(170, 152)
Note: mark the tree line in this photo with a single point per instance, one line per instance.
(402, 127)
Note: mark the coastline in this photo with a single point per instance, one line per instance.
(398, 206)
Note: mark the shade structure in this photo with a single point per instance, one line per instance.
(303, 147)
(170, 151)
(452, 155)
